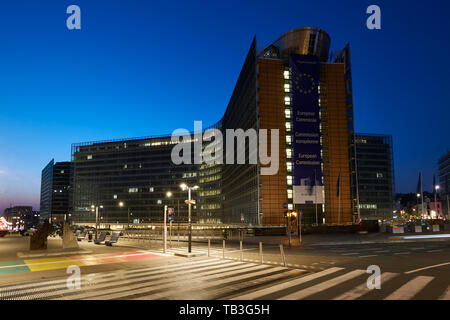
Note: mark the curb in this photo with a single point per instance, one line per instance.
(51, 254)
(394, 240)
(190, 255)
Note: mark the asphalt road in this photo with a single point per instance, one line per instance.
(415, 270)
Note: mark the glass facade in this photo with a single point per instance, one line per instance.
(375, 175)
(56, 190)
(444, 182)
(138, 172)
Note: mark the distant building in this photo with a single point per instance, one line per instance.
(21, 217)
(444, 182)
(55, 190)
(375, 176)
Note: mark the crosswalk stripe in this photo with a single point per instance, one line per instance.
(322, 286)
(102, 279)
(243, 285)
(173, 282)
(105, 285)
(55, 282)
(362, 289)
(410, 289)
(446, 295)
(211, 284)
(285, 285)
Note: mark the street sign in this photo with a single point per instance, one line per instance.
(189, 201)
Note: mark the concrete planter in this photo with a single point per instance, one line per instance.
(417, 228)
(398, 229)
(436, 228)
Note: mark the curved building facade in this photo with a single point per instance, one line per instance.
(291, 86)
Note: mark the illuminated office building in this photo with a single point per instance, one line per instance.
(293, 85)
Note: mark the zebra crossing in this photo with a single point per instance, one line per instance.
(208, 279)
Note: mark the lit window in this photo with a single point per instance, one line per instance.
(62, 171)
(290, 206)
(287, 113)
(287, 99)
(151, 189)
(131, 190)
(286, 87)
(289, 180)
(288, 125)
(159, 201)
(125, 166)
(288, 153)
(286, 74)
(379, 175)
(115, 196)
(89, 157)
(289, 166)
(288, 139)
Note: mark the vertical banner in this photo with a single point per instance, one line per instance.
(307, 160)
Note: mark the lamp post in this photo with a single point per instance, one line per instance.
(436, 188)
(121, 204)
(95, 208)
(168, 195)
(184, 186)
(418, 196)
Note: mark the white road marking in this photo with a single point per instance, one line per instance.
(285, 285)
(349, 254)
(429, 267)
(370, 255)
(322, 286)
(177, 291)
(362, 289)
(103, 281)
(410, 289)
(158, 283)
(446, 295)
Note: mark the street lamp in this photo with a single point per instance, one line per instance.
(168, 195)
(436, 188)
(184, 186)
(121, 204)
(95, 208)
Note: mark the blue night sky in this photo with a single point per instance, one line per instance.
(139, 68)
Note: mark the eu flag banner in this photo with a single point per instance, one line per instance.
(307, 160)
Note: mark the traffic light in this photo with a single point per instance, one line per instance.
(171, 213)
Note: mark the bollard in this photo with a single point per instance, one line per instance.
(260, 253)
(209, 247)
(283, 258)
(242, 252)
(223, 249)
